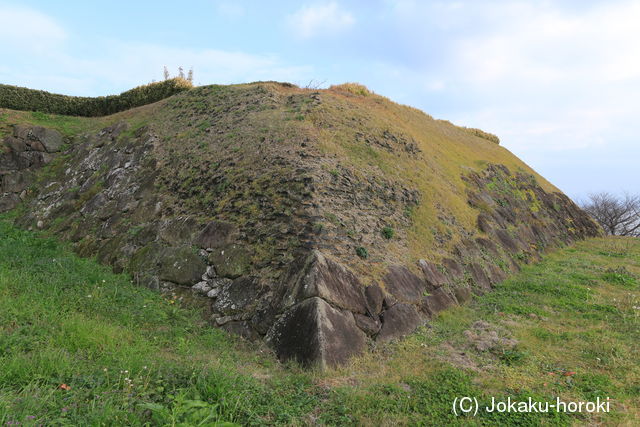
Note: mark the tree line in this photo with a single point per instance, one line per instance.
(618, 215)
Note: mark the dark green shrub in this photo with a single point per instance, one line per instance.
(388, 233)
(362, 252)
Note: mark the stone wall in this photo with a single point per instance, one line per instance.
(102, 194)
(22, 154)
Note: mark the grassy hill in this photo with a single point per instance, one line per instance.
(80, 345)
(284, 206)
(226, 152)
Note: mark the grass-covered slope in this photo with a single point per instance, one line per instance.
(284, 206)
(82, 346)
(295, 168)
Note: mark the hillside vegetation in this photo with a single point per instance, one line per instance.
(335, 209)
(258, 150)
(24, 99)
(82, 346)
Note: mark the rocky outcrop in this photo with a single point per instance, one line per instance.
(315, 333)
(262, 229)
(23, 153)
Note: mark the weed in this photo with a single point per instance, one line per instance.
(388, 233)
(362, 252)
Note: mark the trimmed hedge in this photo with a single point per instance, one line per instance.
(20, 98)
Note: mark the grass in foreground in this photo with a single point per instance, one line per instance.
(82, 346)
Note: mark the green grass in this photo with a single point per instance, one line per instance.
(82, 346)
(67, 125)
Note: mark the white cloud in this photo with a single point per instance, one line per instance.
(549, 45)
(41, 60)
(28, 30)
(543, 77)
(320, 20)
(125, 65)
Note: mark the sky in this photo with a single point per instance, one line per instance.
(557, 81)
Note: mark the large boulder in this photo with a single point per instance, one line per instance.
(217, 234)
(399, 320)
(231, 260)
(15, 182)
(327, 279)
(432, 274)
(404, 285)
(237, 296)
(437, 301)
(375, 298)
(316, 334)
(181, 266)
(8, 202)
(39, 138)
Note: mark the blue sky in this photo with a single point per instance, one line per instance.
(558, 81)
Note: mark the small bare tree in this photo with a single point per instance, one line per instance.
(166, 73)
(619, 216)
(181, 72)
(190, 75)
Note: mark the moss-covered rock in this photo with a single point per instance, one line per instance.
(231, 260)
(181, 265)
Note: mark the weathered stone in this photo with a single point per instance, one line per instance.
(506, 241)
(15, 182)
(181, 266)
(223, 320)
(368, 324)
(432, 275)
(211, 272)
(219, 282)
(125, 197)
(32, 159)
(488, 246)
(484, 222)
(217, 234)
(50, 140)
(263, 317)
(479, 276)
(241, 328)
(462, 294)
(201, 287)
(467, 249)
(8, 202)
(525, 234)
(16, 145)
(436, 301)
(404, 285)
(454, 269)
(388, 301)
(397, 321)
(231, 261)
(495, 274)
(316, 334)
(237, 296)
(325, 278)
(7, 162)
(375, 297)
(177, 231)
